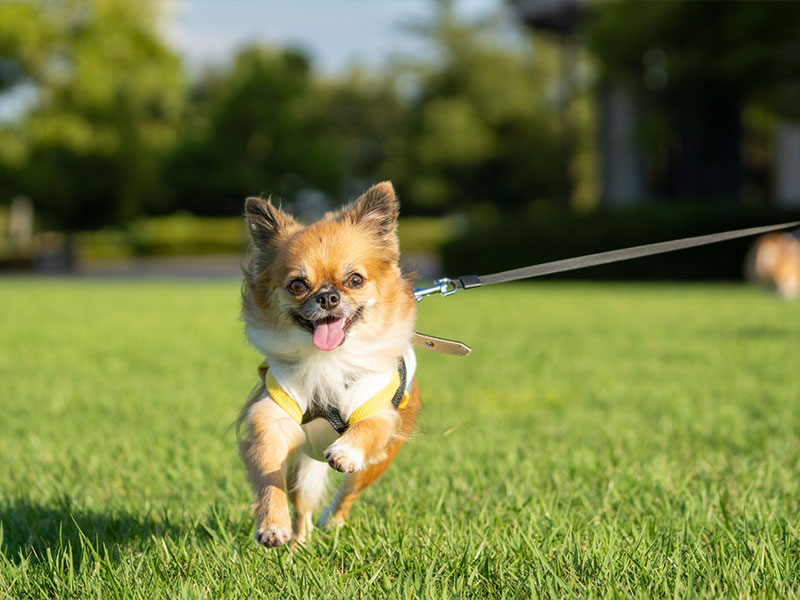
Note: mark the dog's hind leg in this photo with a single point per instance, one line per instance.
(352, 486)
(307, 479)
(356, 482)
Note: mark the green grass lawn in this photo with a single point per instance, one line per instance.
(601, 441)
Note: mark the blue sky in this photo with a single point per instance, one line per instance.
(335, 33)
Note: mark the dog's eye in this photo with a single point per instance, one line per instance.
(355, 281)
(298, 286)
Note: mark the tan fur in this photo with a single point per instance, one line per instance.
(355, 483)
(380, 313)
(272, 437)
(774, 260)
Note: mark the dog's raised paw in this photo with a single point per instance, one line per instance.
(344, 458)
(273, 536)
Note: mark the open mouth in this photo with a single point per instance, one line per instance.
(328, 333)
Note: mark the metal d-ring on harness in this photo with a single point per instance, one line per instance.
(446, 286)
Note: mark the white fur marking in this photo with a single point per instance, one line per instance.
(311, 478)
(345, 457)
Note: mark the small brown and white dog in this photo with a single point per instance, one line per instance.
(774, 260)
(331, 311)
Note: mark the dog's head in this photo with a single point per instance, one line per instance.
(330, 284)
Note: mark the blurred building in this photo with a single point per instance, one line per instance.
(787, 164)
(701, 162)
(622, 166)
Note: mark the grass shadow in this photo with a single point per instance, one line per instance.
(764, 332)
(30, 529)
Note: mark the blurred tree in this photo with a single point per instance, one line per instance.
(695, 66)
(107, 96)
(480, 127)
(363, 116)
(476, 126)
(256, 128)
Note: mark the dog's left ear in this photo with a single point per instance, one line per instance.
(377, 208)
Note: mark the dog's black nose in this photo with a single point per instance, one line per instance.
(327, 299)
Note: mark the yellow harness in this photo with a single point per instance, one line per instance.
(394, 393)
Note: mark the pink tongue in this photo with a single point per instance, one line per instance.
(328, 336)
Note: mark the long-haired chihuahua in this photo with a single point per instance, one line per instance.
(333, 314)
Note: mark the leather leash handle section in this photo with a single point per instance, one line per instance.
(469, 281)
(601, 258)
(440, 345)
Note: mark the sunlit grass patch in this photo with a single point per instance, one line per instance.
(601, 440)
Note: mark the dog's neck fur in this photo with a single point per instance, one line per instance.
(330, 378)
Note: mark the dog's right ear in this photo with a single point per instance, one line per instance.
(265, 221)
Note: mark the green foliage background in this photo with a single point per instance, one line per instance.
(109, 91)
(119, 128)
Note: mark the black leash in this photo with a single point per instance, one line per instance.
(446, 286)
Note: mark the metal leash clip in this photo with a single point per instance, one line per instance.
(443, 286)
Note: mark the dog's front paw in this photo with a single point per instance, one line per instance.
(273, 536)
(343, 457)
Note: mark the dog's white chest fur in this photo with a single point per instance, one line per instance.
(330, 383)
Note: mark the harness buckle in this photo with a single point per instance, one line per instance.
(444, 286)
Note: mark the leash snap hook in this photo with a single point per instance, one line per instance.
(447, 286)
(444, 286)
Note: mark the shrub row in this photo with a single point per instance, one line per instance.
(545, 233)
(186, 234)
